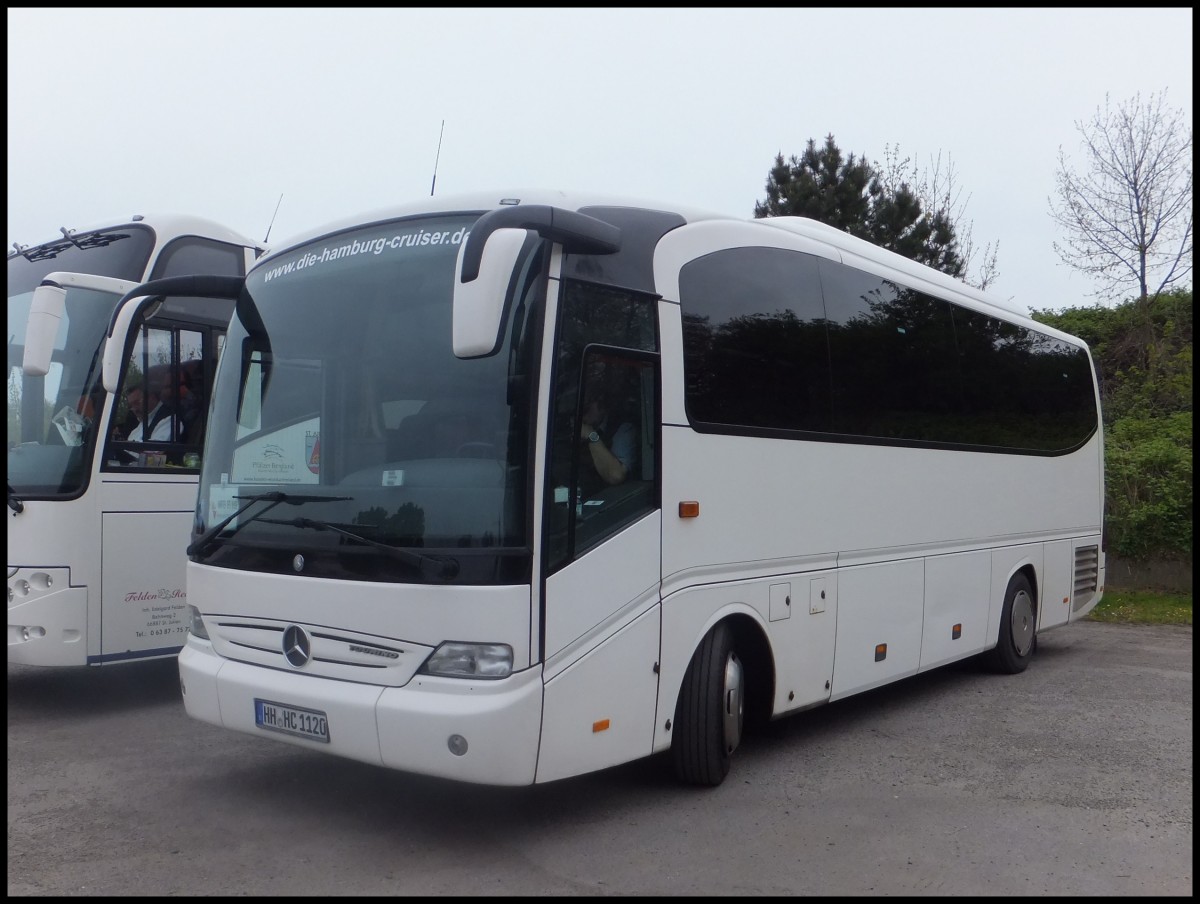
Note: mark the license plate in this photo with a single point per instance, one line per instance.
(293, 720)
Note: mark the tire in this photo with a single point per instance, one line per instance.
(1018, 628)
(709, 713)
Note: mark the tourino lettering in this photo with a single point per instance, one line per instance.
(374, 651)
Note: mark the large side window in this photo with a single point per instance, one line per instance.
(755, 353)
(895, 371)
(1021, 388)
(782, 343)
(603, 471)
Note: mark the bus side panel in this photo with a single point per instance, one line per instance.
(609, 582)
(878, 625)
(600, 711)
(1055, 593)
(801, 634)
(957, 593)
(144, 591)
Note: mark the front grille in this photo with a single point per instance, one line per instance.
(334, 653)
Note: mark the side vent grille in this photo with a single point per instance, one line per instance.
(1087, 575)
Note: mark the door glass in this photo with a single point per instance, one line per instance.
(604, 420)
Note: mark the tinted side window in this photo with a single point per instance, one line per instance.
(893, 358)
(1022, 389)
(755, 352)
(777, 341)
(192, 255)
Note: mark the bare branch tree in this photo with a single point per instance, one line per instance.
(939, 193)
(1128, 218)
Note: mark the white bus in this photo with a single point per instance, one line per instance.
(840, 468)
(98, 525)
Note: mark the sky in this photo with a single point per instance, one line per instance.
(274, 122)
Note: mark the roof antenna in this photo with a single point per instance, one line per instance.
(436, 158)
(273, 216)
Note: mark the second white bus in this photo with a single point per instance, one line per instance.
(848, 469)
(99, 522)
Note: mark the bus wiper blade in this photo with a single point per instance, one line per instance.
(45, 252)
(275, 498)
(447, 567)
(51, 250)
(14, 502)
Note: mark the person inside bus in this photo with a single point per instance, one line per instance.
(190, 405)
(144, 399)
(611, 441)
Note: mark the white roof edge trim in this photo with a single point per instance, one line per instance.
(171, 224)
(864, 250)
(490, 200)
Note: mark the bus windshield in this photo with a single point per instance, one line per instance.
(338, 391)
(119, 253)
(53, 419)
(51, 438)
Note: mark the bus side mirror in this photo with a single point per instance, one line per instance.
(479, 305)
(487, 265)
(45, 315)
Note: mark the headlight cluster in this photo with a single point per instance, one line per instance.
(470, 660)
(196, 623)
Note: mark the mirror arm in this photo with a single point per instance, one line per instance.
(577, 232)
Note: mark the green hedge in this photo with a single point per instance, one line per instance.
(1143, 355)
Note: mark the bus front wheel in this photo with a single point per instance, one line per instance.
(709, 714)
(1018, 635)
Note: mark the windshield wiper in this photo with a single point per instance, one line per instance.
(51, 250)
(275, 498)
(14, 502)
(447, 567)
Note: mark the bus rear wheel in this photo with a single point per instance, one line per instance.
(1018, 633)
(709, 714)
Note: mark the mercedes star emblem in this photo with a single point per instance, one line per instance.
(297, 646)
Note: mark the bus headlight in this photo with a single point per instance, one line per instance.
(196, 623)
(470, 660)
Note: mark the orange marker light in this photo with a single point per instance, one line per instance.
(880, 652)
(602, 725)
(689, 510)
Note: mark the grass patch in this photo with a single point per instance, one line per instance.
(1144, 607)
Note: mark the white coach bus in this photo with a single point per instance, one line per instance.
(814, 467)
(99, 519)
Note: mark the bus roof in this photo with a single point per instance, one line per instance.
(852, 250)
(485, 201)
(164, 224)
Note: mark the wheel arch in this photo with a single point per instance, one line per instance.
(1027, 567)
(751, 640)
